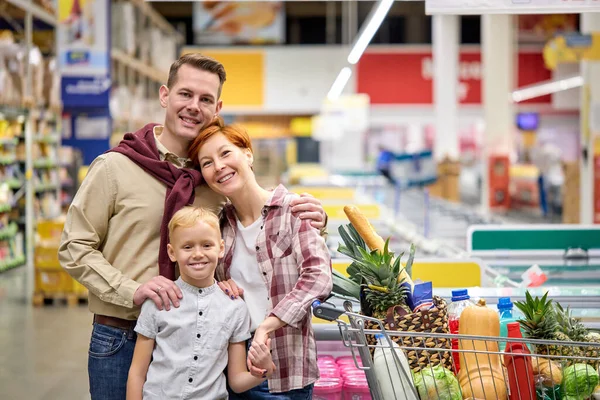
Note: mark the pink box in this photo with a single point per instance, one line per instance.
(347, 360)
(329, 372)
(325, 357)
(356, 389)
(328, 389)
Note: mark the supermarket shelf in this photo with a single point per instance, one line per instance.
(18, 261)
(43, 163)
(8, 232)
(9, 141)
(137, 65)
(35, 10)
(45, 187)
(8, 160)
(157, 19)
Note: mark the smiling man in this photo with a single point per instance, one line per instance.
(115, 236)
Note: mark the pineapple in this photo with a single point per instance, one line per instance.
(592, 351)
(377, 273)
(540, 322)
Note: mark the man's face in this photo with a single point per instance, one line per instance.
(191, 103)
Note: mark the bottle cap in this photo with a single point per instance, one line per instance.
(379, 336)
(514, 330)
(458, 295)
(504, 303)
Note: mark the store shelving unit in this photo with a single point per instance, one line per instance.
(135, 72)
(30, 155)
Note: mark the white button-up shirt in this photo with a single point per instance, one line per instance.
(192, 342)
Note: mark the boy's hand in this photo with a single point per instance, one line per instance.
(309, 207)
(259, 356)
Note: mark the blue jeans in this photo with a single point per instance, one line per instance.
(109, 359)
(261, 392)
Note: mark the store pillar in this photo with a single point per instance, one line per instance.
(498, 50)
(589, 160)
(445, 96)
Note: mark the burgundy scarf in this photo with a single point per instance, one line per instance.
(141, 148)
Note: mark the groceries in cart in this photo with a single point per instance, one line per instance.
(411, 344)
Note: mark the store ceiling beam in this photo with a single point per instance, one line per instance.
(140, 67)
(35, 10)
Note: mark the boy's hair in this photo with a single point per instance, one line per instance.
(200, 62)
(189, 216)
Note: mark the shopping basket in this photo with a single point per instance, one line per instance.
(485, 372)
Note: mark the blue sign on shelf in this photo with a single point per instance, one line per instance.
(85, 92)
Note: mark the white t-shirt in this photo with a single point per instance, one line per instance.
(246, 273)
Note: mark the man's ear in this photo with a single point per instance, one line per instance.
(171, 252)
(163, 94)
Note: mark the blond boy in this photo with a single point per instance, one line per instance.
(182, 353)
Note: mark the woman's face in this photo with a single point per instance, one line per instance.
(224, 166)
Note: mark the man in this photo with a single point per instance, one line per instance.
(115, 230)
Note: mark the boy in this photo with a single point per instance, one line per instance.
(182, 353)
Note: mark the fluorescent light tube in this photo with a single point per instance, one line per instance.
(369, 29)
(545, 88)
(339, 83)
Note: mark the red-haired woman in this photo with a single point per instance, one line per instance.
(279, 260)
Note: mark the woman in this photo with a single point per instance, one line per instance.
(279, 260)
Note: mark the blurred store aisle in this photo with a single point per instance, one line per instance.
(43, 351)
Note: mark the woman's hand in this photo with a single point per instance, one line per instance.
(231, 289)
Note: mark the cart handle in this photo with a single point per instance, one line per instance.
(326, 311)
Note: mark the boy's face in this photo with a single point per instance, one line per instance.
(196, 250)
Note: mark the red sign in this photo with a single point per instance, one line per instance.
(406, 77)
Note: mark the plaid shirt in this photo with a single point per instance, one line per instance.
(296, 268)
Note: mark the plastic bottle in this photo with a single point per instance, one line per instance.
(518, 366)
(505, 309)
(395, 381)
(507, 316)
(460, 301)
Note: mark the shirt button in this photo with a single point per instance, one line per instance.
(198, 335)
(264, 273)
(190, 380)
(257, 248)
(200, 313)
(200, 291)
(195, 358)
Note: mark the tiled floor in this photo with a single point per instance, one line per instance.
(43, 351)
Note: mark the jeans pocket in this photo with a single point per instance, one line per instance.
(106, 341)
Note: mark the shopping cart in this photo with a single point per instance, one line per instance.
(486, 373)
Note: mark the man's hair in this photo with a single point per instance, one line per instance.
(200, 62)
(189, 216)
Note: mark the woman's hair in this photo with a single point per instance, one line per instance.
(189, 216)
(236, 134)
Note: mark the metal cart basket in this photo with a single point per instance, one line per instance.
(559, 369)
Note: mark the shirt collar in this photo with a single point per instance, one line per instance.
(166, 155)
(186, 287)
(276, 200)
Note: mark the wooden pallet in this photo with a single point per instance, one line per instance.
(70, 299)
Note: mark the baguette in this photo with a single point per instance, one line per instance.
(369, 235)
(364, 228)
